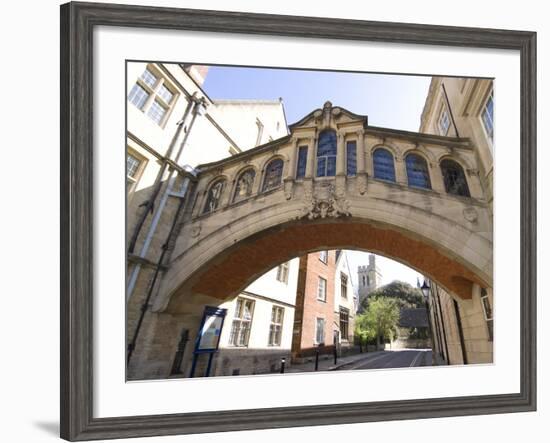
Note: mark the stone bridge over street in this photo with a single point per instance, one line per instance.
(334, 183)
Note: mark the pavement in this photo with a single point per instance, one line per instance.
(369, 360)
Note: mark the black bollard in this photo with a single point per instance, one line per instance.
(317, 359)
(283, 361)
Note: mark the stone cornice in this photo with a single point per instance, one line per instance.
(455, 142)
(245, 154)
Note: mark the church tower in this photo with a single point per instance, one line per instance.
(369, 278)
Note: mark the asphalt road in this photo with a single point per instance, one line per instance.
(404, 358)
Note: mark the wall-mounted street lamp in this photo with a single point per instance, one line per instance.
(425, 288)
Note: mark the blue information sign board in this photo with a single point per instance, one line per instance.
(208, 336)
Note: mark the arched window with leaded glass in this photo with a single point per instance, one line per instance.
(214, 196)
(384, 167)
(454, 178)
(326, 154)
(273, 174)
(417, 172)
(243, 189)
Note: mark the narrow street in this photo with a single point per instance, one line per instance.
(403, 358)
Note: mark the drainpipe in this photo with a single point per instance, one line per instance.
(158, 267)
(158, 181)
(449, 107)
(460, 333)
(443, 326)
(198, 109)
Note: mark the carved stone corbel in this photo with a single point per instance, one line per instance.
(288, 187)
(361, 183)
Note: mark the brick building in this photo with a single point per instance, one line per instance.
(325, 306)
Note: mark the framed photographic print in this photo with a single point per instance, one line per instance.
(305, 202)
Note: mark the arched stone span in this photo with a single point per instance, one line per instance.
(227, 274)
(446, 237)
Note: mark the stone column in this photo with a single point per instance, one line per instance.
(361, 182)
(288, 181)
(436, 177)
(361, 152)
(474, 183)
(292, 155)
(340, 156)
(401, 171)
(311, 151)
(372, 141)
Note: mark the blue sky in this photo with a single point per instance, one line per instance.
(390, 101)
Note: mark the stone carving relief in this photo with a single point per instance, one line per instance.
(196, 230)
(470, 214)
(323, 202)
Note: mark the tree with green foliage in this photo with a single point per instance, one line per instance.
(405, 295)
(365, 330)
(378, 321)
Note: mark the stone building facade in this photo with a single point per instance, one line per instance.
(462, 329)
(328, 181)
(257, 332)
(173, 126)
(463, 107)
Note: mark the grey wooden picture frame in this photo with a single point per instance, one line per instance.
(78, 21)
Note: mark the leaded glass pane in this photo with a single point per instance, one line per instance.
(417, 172)
(302, 162)
(344, 323)
(331, 166)
(244, 185)
(322, 289)
(320, 331)
(156, 112)
(444, 122)
(487, 116)
(275, 328)
(273, 175)
(132, 165)
(454, 178)
(240, 329)
(351, 158)
(326, 154)
(149, 78)
(165, 93)
(138, 96)
(214, 196)
(384, 168)
(321, 166)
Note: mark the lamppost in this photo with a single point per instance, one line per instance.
(425, 288)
